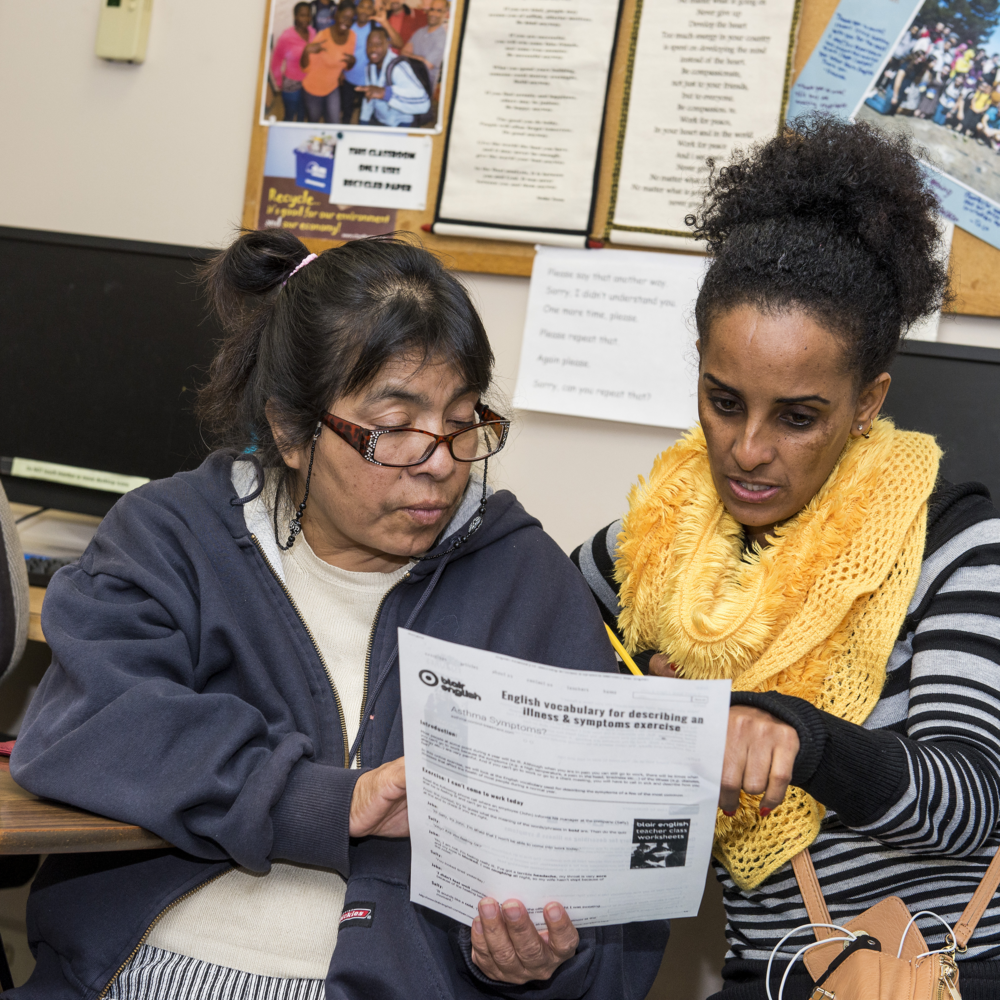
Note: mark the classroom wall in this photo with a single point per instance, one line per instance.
(158, 152)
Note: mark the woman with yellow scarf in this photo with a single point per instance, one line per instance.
(801, 546)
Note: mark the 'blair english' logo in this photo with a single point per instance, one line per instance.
(358, 915)
(449, 686)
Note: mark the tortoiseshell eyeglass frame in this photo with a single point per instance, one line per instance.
(364, 439)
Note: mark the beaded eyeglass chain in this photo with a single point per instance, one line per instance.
(474, 524)
(295, 524)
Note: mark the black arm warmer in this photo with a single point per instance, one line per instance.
(859, 773)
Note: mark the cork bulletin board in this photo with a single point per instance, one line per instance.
(975, 264)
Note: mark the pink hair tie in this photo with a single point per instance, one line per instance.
(298, 267)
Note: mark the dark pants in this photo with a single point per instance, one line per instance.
(972, 119)
(326, 108)
(349, 100)
(295, 106)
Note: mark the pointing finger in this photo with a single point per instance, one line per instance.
(782, 762)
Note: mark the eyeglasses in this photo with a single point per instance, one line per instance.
(408, 446)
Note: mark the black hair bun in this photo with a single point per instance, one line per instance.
(254, 264)
(834, 217)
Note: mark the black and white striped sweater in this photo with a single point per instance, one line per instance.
(913, 796)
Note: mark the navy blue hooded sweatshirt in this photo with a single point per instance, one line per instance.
(185, 695)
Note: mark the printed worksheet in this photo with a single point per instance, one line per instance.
(597, 791)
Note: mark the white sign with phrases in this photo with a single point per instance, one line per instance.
(387, 170)
(610, 334)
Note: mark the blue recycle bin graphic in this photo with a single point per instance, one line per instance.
(313, 170)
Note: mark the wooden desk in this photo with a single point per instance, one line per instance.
(35, 597)
(30, 825)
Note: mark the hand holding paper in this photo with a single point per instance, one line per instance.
(506, 945)
(378, 806)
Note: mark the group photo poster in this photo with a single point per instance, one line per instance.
(377, 64)
(932, 70)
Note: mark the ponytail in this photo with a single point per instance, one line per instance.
(239, 279)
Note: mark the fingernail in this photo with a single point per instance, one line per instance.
(512, 909)
(477, 926)
(764, 810)
(554, 912)
(724, 813)
(488, 909)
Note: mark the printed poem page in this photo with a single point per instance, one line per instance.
(528, 110)
(708, 75)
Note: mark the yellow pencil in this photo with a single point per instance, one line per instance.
(620, 650)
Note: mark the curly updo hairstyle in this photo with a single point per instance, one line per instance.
(297, 342)
(831, 217)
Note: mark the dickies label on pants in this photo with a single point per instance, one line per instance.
(359, 914)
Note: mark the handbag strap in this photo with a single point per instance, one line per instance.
(812, 894)
(977, 905)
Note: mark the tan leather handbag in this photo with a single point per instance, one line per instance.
(881, 955)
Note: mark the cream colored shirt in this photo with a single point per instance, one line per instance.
(284, 923)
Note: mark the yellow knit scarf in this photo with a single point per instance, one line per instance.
(815, 614)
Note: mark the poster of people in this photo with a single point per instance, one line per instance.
(931, 69)
(357, 63)
(942, 85)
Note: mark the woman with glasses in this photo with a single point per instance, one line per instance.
(225, 666)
